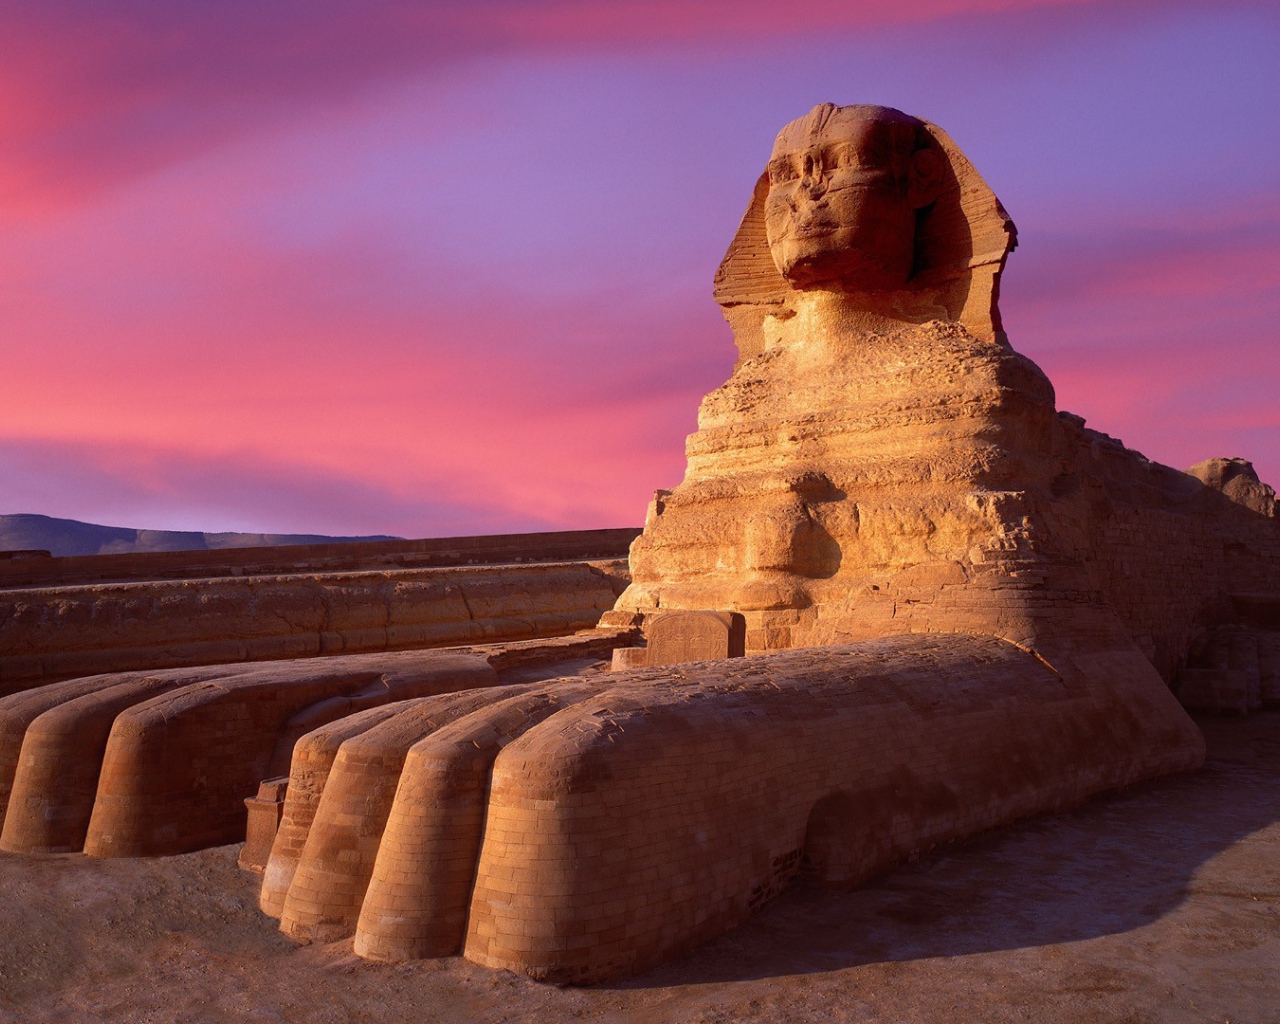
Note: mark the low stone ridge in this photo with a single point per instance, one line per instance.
(347, 556)
(61, 632)
(72, 537)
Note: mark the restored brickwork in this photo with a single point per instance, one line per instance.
(328, 885)
(162, 762)
(313, 757)
(18, 711)
(420, 893)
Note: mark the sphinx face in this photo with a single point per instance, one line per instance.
(838, 207)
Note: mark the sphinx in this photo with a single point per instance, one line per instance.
(961, 606)
(958, 606)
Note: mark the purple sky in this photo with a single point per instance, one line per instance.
(445, 268)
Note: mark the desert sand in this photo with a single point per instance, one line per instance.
(1157, 904)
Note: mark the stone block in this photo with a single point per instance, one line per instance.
(628, 657)
(265, 810)
(677, 637)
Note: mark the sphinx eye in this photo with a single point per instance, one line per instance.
(781, 170)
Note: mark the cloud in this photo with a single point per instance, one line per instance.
(485, 294)
(96, 94)
(1162, 329)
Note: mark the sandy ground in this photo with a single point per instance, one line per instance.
(1160, 904)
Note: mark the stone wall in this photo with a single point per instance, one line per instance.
(348, 556)
(51, 633)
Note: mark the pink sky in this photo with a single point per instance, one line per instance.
(435, 269)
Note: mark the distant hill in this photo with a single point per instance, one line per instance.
(71, 537)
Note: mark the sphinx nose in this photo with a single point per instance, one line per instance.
(813, 180)
(814, 186)
(813, 173)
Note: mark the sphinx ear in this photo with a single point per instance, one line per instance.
(928, 170)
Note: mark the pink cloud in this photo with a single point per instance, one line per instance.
(154, 486)
(1161, 331)
(94, 95)
(559, 413)
(249, 304)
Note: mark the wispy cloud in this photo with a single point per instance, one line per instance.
(98, 94)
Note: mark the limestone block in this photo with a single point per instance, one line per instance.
(59, 632)
(679, 637)
(265, 810)
(628, 657)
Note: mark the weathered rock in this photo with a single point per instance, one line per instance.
(1237, 479)
(49, 633)
(881, 460)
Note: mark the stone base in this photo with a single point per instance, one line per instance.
(265, 810)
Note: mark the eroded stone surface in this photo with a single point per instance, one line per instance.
(50, 633)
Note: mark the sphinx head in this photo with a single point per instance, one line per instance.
(844, 187)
